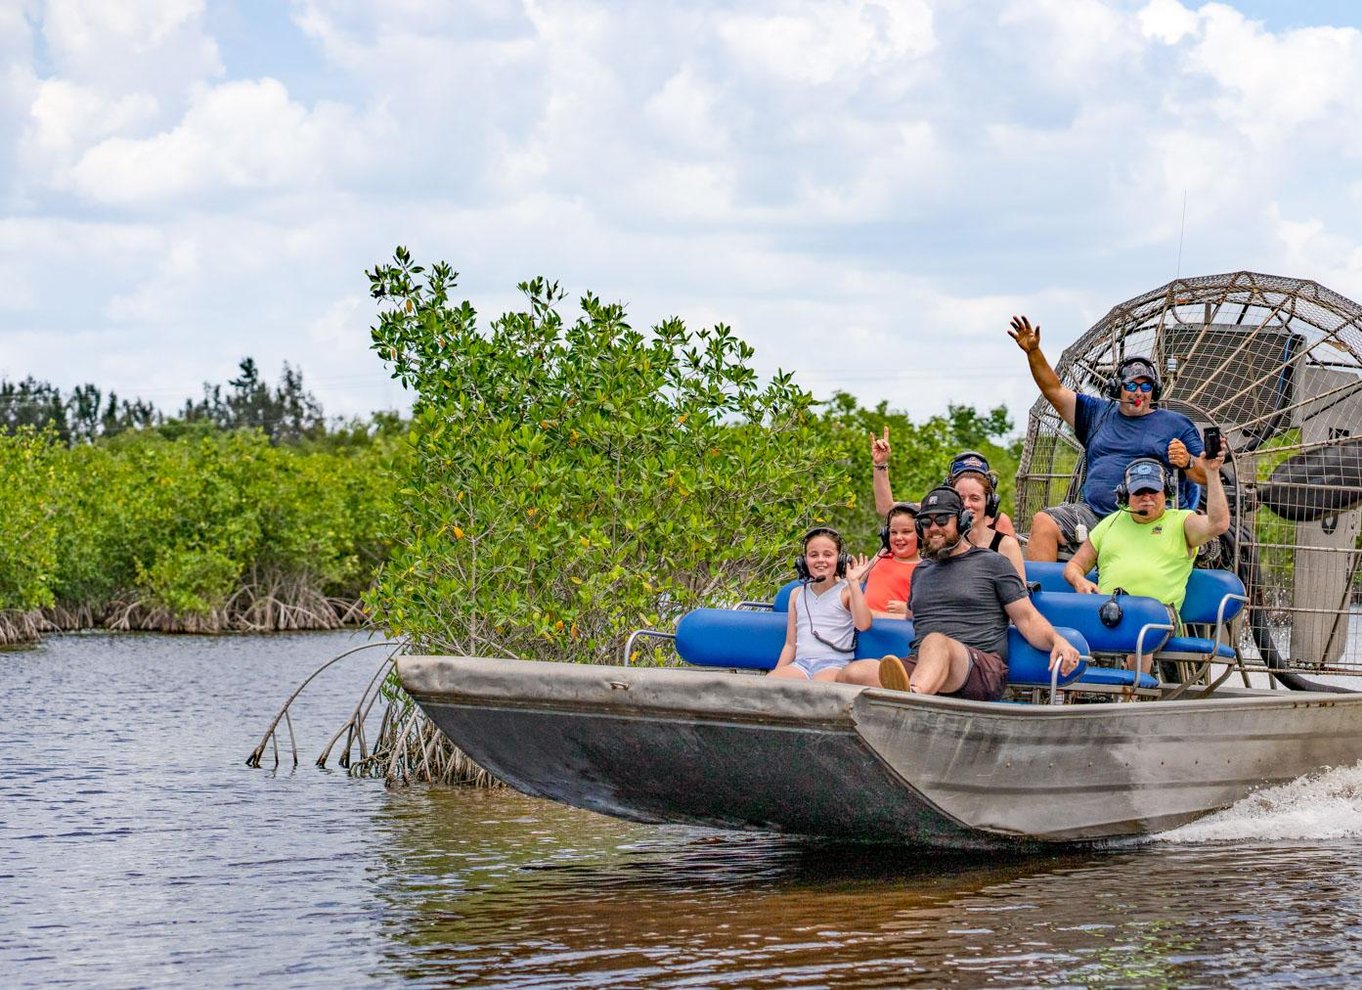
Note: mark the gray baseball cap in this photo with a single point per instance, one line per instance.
(1144, 474)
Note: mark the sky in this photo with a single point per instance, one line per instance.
(865, 191)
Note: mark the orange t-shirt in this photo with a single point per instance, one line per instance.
(889, 580)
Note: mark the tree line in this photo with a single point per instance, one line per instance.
(243, 512)
(285, 412)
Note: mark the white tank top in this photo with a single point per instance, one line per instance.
(830, 619)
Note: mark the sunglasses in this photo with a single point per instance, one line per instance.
(941, 519)
(1138, 386)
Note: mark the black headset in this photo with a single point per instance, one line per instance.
(898, 508)
(1111, 612)
(1123, 492)
(992, 501)
(1113, 388)
(964, 517)
(801, 566)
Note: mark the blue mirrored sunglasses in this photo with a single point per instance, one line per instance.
(1138, 386)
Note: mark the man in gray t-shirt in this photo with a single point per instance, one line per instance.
(963, 598)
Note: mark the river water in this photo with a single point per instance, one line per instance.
(137, 850)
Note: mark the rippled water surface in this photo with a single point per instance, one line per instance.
(137, 849)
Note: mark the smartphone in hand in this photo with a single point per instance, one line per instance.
(1210, 438)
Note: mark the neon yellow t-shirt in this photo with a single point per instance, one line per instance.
(1144, 558)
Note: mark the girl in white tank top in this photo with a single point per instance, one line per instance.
(826, 612)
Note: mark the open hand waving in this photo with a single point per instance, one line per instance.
(1026, 335)
(858, 567)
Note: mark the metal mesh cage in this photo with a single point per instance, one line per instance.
(1276, 363)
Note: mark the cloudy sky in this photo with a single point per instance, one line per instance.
(864, 189)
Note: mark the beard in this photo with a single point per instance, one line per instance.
(937, 547)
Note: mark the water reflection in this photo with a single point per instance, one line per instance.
(517, 892)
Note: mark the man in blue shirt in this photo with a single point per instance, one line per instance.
(1113, 431)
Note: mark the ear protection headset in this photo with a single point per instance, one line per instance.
(897, 509)
(973, 462)
(949, 500)
(1147, 370)
(801, 565)
(1123, 489)
(1111, 612)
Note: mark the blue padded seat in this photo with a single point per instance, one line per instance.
(1030, 667)
(1213, 596)
(1206, 590)
(717, 637)
(721, 637)
(885, 636)
(1081, 613)
(1048, 574)
(781, 603)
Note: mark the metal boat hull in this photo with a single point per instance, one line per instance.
(737, 751)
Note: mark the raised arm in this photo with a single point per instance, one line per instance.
(879, 457)
(1197, 528)
(1065, 400)
(853, 597)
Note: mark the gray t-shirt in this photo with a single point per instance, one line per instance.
(965, 598)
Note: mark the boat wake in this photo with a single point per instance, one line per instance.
(1326, 805)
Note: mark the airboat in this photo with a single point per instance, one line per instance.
(1254, 697)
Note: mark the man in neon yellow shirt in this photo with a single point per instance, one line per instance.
(1145, 548)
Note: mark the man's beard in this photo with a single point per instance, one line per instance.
(932, 552)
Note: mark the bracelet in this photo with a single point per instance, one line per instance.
(881, 467)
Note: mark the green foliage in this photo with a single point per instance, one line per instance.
(571, 481)
(921, 454)
(182, 526)
(28, 522)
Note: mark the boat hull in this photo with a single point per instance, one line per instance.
(737, 751)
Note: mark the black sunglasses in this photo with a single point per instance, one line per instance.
(941, 519)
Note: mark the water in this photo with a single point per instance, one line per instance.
(137, 850)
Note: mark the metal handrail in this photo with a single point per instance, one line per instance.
(638, 633)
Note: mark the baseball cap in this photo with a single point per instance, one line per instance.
(942, 499)
(1133, 368)
(968, 460)
(1144, 474)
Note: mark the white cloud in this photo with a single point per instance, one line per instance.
(1080, 44)
(1273, 86)
(830, 42)
(881, 176)
(130, 45)
(67, 117)
(237, 136)
(1167, 21)
(683, 114)
(1311, 250)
